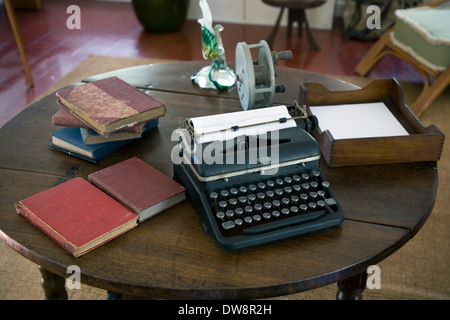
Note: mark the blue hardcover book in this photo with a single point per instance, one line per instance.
(69, 140)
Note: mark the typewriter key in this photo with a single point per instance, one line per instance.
(224, 193)
(270, 193)
(220, 215)
(223, 204)
(276, 213)
(248, 219)
(242, 199)
(256, 217)
(213, 196)
(228, 225)
(238, 222)
(266, 215)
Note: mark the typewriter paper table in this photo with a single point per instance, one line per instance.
(170, 256)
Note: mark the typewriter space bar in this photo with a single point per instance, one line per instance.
(299, 219)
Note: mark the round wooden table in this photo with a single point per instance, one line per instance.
(169, 256)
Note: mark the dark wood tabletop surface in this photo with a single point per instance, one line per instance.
(169, 256)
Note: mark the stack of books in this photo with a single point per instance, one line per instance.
(99, 117)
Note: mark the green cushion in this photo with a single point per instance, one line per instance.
(423, 32)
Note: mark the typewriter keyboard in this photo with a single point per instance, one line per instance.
(272, 204)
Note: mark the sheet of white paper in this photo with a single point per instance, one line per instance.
(364, 120)
(218, 127)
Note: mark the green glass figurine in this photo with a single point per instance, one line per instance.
(217, 75)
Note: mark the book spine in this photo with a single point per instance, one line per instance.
(63, 118)
(44, 227)
(105, 188)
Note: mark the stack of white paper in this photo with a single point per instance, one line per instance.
(353, 121)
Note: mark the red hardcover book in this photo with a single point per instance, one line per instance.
(139, 186)
(77, 215)
(110, 104)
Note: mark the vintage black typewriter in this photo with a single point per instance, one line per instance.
(251, 188)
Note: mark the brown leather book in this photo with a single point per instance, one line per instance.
(139, 186)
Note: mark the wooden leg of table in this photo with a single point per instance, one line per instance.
(352, 288)
(430, 92)
(53, 285)
(295, 16)
(19, 40)
(374, 55)
(299, 16)
(312, 42)
(274, 31)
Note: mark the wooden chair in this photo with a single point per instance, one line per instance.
(296, 14)
(18, 38)
(384, 46)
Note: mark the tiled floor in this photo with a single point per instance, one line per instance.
(109, 28)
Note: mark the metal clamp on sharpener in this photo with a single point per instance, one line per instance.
(256, 79)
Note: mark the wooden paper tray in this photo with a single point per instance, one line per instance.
(422, 143)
